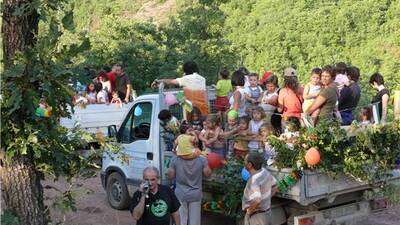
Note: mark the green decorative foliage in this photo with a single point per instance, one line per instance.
(368, 156)
(233, 186)
(374, 153)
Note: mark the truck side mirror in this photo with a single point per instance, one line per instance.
(112, 131)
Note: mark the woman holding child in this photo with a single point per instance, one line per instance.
(326, 100)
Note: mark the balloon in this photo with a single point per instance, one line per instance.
(232, 114)
(170, 99)
(180, 96)
(138, 111)
(187, 105)
(312, 156)
(245, 174)
(40, 112)
(214, 160)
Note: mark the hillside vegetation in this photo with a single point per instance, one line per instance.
(260, 34)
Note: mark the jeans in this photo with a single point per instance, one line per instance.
(190, 213)
(169, 140)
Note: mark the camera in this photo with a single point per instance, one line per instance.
(146, 186)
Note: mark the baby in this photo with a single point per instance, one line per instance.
(186, 142)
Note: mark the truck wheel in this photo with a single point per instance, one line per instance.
(117, 192)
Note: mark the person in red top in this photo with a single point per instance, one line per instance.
(112, 76)
(290, 96)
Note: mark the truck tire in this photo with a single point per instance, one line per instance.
(117, 191)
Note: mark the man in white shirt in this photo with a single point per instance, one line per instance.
(260, 187)
(194, 86)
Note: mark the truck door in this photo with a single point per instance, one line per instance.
(135, 135)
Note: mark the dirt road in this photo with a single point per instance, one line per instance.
(93, 209)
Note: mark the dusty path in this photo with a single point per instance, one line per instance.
(93, 209)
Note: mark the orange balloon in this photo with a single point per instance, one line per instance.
(312, 156)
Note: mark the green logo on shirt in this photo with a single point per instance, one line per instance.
(159, 208)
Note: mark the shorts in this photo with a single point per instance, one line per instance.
(222, 103)
(347, 117)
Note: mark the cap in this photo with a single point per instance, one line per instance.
(290, 72)
(265, 77)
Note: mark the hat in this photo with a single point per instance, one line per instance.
(265, 77)
(290, 72)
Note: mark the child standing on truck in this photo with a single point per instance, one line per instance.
(240, 146)
(91, 94)
(253, 93)
(171, 128)
(115, 99)
(211, 137)
(231, 129)
(195, 120)
(366, 116)
(266, 130)
(224, 86)
(186, 142)
(255, 123)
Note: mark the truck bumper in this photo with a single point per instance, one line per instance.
(103, 179)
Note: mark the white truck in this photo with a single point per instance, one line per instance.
(315, 199)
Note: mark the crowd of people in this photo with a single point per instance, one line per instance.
(249, 110)
(110, 86)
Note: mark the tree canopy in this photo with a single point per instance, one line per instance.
(259, 34)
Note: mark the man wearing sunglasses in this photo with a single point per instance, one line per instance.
(153, 203)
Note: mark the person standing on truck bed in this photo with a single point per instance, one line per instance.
(260, 187)
(382, 97)
(122, 84)
(194, 86)
(111, 75)
(156, 204)
(189, 177)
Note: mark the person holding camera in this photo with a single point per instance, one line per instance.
(153, 203)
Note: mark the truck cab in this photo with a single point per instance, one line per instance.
(139, 138)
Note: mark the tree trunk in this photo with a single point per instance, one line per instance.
(22, 193)
(18, 31)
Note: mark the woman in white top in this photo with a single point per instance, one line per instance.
(238, 101)
(269, 101)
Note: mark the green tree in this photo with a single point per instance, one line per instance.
(36, 67)
(305, 34)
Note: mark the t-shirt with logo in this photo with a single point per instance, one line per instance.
(158, 207)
